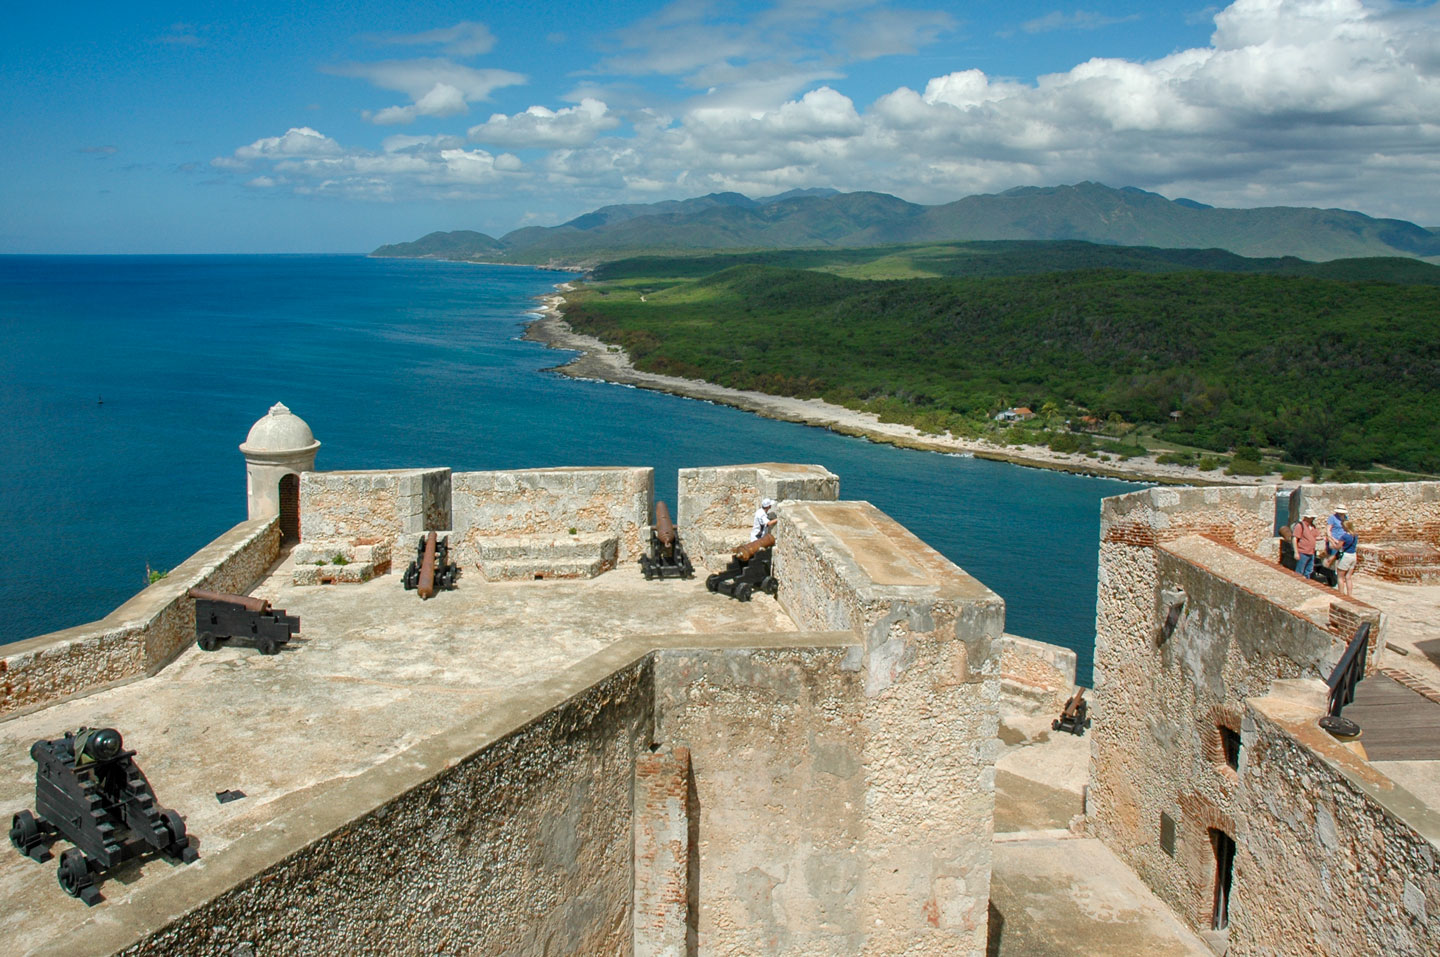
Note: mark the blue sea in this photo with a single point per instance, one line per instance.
(127, 383)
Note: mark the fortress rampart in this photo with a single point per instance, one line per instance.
(564, 756)
(667, 770)
(1210, 775)
(140, 637)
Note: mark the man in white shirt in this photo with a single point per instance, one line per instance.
(764, 520)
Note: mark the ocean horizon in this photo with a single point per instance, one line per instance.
(130, 382)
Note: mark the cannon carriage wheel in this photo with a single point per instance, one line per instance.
(75, 877)
(179, 845)
(743, 591)
(208, 641)
(712, 583)
(267, 646)
(29, 834)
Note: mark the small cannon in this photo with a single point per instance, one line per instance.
(667, 559)
(220, 617)
(1076, 716)
(89, 791)
(432, 567)
(748, 571)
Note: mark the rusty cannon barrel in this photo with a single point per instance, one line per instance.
(664, 529)
(244, 601)
(426, 585)
(748, 571)
(667, 558)
(751, 549)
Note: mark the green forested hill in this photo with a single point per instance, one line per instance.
(1014, 258)
(1328, 370)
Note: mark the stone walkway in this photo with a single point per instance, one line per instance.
(1052, 892)
(1060, 898)
(378, 671)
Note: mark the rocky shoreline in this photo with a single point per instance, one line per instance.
(607, 363)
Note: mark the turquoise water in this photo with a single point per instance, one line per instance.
(395, 364)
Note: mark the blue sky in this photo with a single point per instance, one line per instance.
(284, 127)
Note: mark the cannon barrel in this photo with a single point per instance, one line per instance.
(426, 585)
(664, 528)
(749, 550)
(244, 601)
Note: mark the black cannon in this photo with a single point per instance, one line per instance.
(89, 791)
(432, 568)
(748, 571)
(666, 559)
(222, 618)
(1075, 718)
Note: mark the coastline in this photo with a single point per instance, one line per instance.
(600, 361)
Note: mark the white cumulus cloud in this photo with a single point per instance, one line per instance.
(547, 129)
(1306, 102)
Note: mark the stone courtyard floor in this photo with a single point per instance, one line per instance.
(1053, 892)
(377, 672)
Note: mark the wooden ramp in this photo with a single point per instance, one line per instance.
(1397, 724)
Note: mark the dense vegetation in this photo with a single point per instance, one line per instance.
(1013, 258)
(1325, 371)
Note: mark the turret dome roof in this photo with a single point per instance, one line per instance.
(279, 430)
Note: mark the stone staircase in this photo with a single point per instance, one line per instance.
(531, 557)
(340, 562)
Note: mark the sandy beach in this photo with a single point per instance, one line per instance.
(608, 363)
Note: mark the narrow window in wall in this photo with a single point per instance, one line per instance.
(1230, 739)
(1224, 846)
(1167, 834)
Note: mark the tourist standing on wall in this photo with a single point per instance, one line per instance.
(1346, 545)
(1306, 535)
(764, 520)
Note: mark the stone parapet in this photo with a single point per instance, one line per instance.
(1035, 674)
(510, 834)
(725, 498)
(1381, 511)
(377, 504)
(926, 636)
(552, 502)
(1335, 858)
(142, 635)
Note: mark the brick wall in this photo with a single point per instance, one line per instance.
(666, 914)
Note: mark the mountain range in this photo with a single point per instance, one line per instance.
(826, 218)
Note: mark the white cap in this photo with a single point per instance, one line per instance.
(767, 503)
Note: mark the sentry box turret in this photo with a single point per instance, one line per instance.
(90, 792)
(223, 618)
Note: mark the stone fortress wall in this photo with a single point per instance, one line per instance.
(140, 637)
(1397, 525)
(774, 794)
(1336, 858)
(1196, 635)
